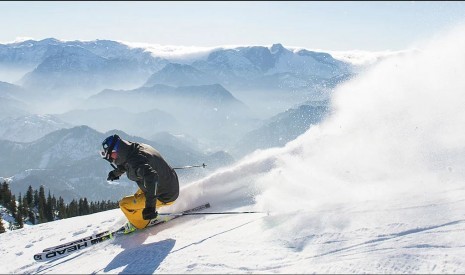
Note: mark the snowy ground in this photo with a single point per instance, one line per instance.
(409, 235)
(379, 187)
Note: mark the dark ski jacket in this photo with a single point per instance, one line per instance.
(144, 165)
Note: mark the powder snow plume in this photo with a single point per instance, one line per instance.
(395, 130)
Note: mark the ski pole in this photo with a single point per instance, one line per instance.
(190, 166)
(211, 213)
(183, 167)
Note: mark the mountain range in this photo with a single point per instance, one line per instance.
(60, 98)
(68, 66)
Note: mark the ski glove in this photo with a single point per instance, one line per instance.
(149, 213)
(112, 176)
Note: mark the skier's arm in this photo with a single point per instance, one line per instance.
(120, 170)
(116, 173)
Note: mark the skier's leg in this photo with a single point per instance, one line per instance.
(132, 207)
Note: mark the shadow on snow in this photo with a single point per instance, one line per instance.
(143, 259)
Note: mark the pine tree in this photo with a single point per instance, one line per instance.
(19, 213)
(36, 199)
(29, 205)
(30, 196)
(93, 207)
(61, 209)
(73, 209)
(24, 206)
(83, 206)
(5, 194)
(49, 207)
(19, 217)
(42, 205)
(54, 206)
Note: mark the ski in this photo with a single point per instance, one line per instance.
(85, 239)
(65, 250)
(69, 247)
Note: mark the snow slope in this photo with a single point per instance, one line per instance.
(410, 234)
(376, 188)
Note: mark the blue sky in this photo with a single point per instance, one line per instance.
(345, 25)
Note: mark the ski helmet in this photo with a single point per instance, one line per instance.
(110, 148)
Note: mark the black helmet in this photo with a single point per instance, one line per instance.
(110, 148)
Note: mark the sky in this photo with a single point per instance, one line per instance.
(329, 25)
(375, 188)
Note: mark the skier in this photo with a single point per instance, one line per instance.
(158, 182)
